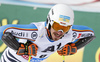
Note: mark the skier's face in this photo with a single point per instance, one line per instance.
(56, 35)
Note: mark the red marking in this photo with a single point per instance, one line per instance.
(79, 35)
(62, 23)
(26, 57)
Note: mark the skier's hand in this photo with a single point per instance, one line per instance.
(27, 49)
(32, 49)
(68, 49)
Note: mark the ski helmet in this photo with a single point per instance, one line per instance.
(60, 13)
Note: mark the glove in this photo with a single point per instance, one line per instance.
(68, 49)
(32, 49)
(27, 49)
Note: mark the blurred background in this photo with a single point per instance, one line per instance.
(87, 12)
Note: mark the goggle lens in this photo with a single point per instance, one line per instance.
(57, 27)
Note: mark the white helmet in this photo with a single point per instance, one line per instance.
(60, 13)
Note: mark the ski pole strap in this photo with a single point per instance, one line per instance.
(26, 47)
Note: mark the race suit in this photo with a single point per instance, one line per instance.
(36, 33)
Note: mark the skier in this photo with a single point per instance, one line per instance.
(37, 41)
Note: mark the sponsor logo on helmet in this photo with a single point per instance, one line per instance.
(64, 18)
(63, 23)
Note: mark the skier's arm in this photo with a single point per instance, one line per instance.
(9, 33)
(28, 48)
(72, 48)
(10, 40)
(20, 31)
(84, 41)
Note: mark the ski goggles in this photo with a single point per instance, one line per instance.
(56, 26)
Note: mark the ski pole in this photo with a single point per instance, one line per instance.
(63, 58)
(29, 58)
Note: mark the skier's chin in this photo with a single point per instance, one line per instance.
(55, 39)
